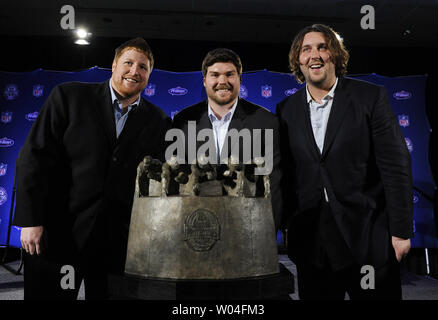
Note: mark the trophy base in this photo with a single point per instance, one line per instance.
(273, 287)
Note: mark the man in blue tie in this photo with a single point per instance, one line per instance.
(76, 175)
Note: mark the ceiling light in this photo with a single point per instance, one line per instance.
(81, 33)
(82, 36)
(82, 42)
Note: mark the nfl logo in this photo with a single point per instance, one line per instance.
(403, 120)
(150, 90)
(11, 92)
(3, 195)
(6, 117)
(38, 90)
(3, 169)
(266, 91)
(243, 93)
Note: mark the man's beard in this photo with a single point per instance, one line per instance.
(222, 102)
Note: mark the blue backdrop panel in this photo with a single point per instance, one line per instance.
(174, 91)
(267, 88)
(407, 98)
(23, 94)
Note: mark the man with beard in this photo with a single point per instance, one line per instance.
(347, 177)
(76, 175)
(224, 110)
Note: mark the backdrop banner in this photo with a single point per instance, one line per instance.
(24, 93)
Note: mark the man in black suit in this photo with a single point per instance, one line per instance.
(347, 175)
(224, 111)
(76, 175)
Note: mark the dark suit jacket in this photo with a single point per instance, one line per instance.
(365, 167)
(247, 115)
(72, 171)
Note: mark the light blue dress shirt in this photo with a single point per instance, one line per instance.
(120, 114)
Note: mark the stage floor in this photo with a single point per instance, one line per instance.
(415, 287)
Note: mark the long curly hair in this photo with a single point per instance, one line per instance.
(338, 52)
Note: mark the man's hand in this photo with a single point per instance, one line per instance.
(31, 238)
(401, 247)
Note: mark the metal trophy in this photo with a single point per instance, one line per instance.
(201, 222)
(207, 227)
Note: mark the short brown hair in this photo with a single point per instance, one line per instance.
(221, 55)
(138, 44)
(339, 54)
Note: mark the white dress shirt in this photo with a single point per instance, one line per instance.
(220, 127)
(319, 115)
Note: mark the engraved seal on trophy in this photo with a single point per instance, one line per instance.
(201, 230)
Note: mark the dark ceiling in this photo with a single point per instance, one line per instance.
(398, 22)
(180, 32)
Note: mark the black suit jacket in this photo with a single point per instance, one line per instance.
(365, 167)
(73, 172)
(246, 115)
